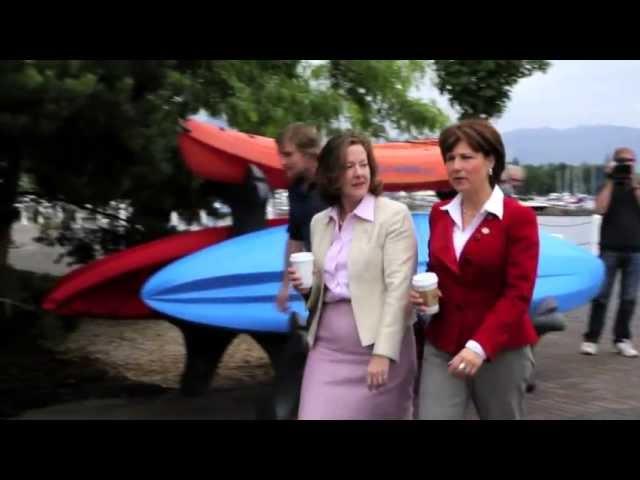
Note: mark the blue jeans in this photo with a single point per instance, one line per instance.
(629, 265)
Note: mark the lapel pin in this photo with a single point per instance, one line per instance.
(485, 230)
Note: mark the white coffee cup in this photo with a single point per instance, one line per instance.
(426, 284)
(303, 263)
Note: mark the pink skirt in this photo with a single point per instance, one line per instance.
(334, 386)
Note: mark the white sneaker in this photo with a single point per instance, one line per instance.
(589, 348)
(625, 348)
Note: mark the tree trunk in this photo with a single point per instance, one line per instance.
(5, 241)
(9, 173)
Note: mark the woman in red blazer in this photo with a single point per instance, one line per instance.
(484, 248)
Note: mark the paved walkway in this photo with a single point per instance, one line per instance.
(569, 385)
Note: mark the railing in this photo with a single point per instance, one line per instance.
(583, 231)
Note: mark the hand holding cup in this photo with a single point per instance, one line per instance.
(301, 271)
(425, 294)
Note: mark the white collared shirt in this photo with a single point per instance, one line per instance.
(494, 205)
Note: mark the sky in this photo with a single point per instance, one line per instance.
(571, 93)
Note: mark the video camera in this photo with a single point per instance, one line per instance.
(622, 171)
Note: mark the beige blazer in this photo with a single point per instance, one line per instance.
(381, 263)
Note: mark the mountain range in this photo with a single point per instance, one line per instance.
(584, 144)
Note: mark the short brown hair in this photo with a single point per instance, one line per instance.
(331, 166)
(618, 152)
(303, 137)
(482, 137)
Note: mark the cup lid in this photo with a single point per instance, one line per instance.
(301, 257)
(425, 279)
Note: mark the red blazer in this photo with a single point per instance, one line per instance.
(487, 292)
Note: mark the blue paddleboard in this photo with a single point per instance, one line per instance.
(234, 284)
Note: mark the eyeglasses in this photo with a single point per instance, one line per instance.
(624, 160)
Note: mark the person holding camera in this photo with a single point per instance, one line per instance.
(619, 204)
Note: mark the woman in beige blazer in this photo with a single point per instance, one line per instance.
(362, 361)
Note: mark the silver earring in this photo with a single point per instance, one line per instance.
(490, 172)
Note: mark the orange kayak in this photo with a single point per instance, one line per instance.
(223, 155)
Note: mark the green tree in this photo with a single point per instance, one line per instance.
(540, 179)
(373, 96)
(88, 132)
(93, 131)
(482, 88)
(376, 95)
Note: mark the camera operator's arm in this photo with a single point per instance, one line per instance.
(603, 198)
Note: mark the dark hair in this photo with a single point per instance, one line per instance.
(624, 152)
(482, 137)
(446, 194)
(303, 137)
(331, 166)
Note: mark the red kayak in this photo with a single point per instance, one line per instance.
(223, 155)
(110, 287)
